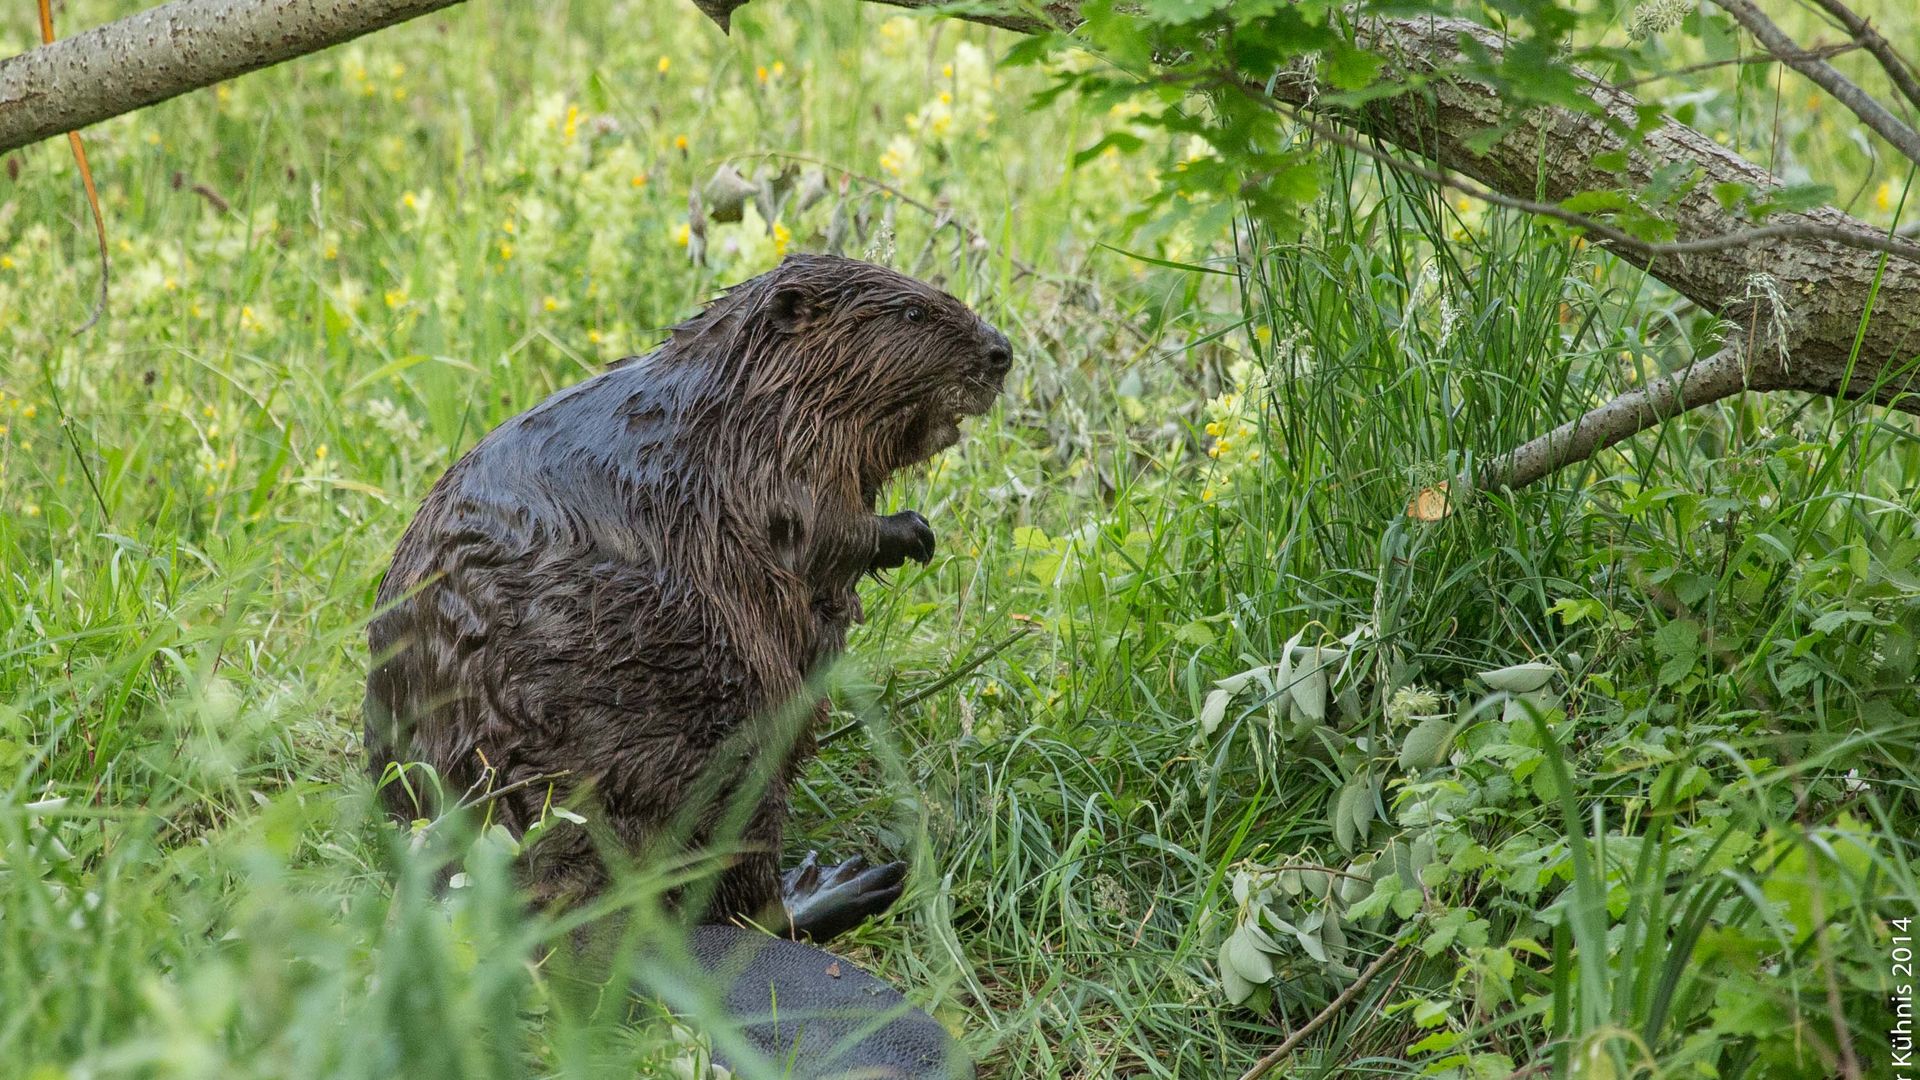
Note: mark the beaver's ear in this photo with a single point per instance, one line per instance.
(793, 308)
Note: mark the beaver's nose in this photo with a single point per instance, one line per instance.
(999, 354)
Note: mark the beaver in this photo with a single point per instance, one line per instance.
(616, 600)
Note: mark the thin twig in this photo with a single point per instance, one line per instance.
(1818, 52)
(1898, 68)
(1857, 101)
(938, 685)
(501, 792)
(944, 217)
(1352, 991)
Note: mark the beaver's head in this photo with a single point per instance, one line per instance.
(854, 351)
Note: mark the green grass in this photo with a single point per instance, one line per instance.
(334, 276)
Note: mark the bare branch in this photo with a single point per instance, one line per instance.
(1897, 67)
(1718, 376)
(1845, 91)
(1352, 991)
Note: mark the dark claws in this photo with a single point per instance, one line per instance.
(902, 536)
(825, 902)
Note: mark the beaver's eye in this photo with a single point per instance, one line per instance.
(914, 313)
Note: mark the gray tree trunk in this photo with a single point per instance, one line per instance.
(168, 50)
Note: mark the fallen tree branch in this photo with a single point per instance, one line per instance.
(1719, 376)
(168, 50)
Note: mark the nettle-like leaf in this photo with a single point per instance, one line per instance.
(1678, 644)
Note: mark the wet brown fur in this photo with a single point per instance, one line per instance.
(631, 581)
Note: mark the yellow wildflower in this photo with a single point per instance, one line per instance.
(1883, 196)
(666, 62)
(399, 93)
(680, 143)
(946, 71)
(550, 304)
(683, 234)
(593, 337)
(760, 73)
(6, 262)
(573, 122)
(208, 411)
(639, 180)
(408, 200)
(320, 452)
(779, 68)
(506, 251)
(30, 410)
(30, 509)
(396, 297)
(507, 226)
(782, 236)
(223, 93)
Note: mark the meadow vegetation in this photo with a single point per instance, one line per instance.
(1187, 722)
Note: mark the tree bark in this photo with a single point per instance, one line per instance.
(168, 50)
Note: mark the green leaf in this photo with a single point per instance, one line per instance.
(1596, 202)
(1439, 1040)
(1124, 141)
(1176, 12)
(1196, 633)
(1214, 711)
(1519, 678)
(1242, 953)
(1348, 68)
(1309, 686)
(1730, 193)
(1424, 745)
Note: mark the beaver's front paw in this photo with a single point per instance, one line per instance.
(824, 903)
(905, 535)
